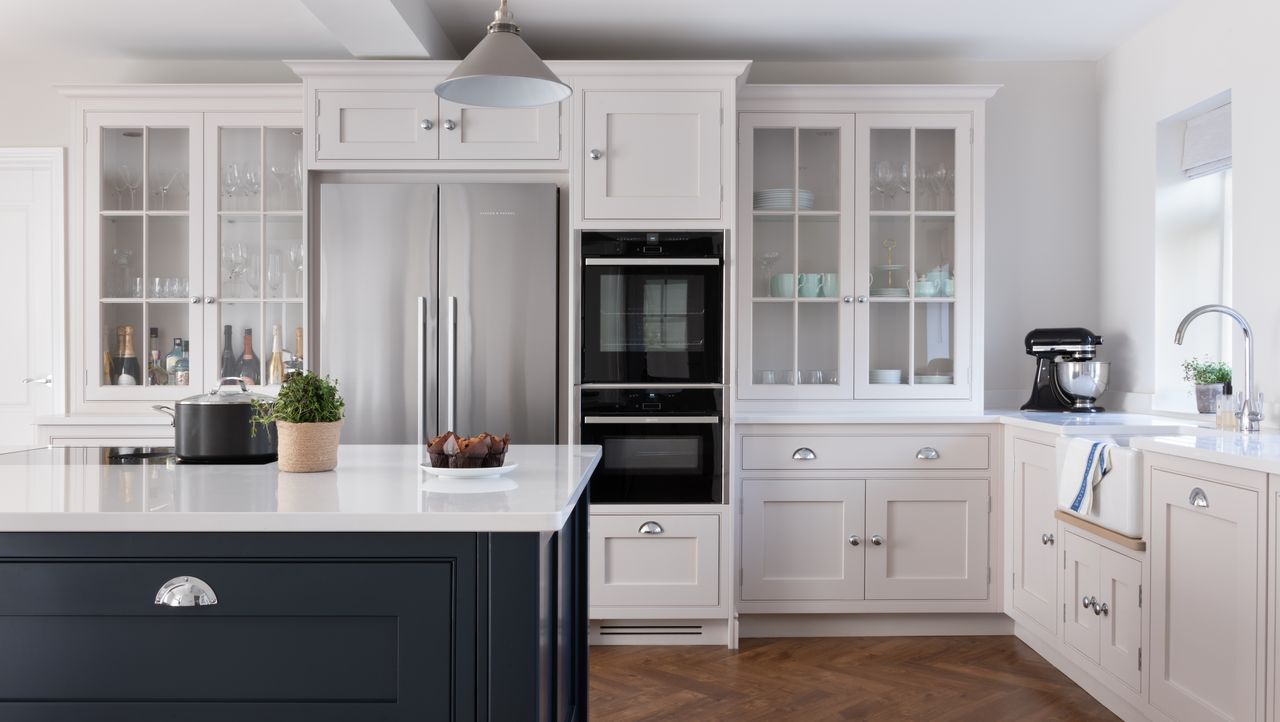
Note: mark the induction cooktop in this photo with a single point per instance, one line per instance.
(90, 456)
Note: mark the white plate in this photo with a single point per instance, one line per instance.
(935, 379)
(891, 292)
(481, 473)
(436, 485)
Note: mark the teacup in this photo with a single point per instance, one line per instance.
(810, 285)
(926, 288)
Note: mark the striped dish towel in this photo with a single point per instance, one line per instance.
(1087, 462)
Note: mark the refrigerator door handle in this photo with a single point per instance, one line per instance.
(451, 365)
(424, 430)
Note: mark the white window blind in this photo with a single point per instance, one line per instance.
(1206, 144)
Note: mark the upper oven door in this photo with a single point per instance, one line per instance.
(649, 320)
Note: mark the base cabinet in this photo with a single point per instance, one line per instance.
(928, 539)
(655, 560)
(1035, 568)
(1102, 612)
(1207, 592)
(803, 539)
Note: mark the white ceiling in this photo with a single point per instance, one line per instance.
(748, 29)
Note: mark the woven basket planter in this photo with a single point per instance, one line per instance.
(308, 447)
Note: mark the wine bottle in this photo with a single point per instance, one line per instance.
(229, 367)
(130, 371)
(182, 369)
(153, 353)
(250, 368)
(171, 358)
(275, 369)
(294, 365)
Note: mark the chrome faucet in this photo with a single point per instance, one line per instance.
(1250, 412)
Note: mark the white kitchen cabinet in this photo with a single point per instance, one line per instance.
(661, 560)
(376, 125)
(1102, 607)
(927, 539)
(187, 220)
(802, 539)
(651, 154)
(1207, 602)
(1035, 570)
(475, 133)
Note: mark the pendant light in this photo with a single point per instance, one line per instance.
(502, 71)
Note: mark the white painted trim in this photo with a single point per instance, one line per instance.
(53, 161)
(825, 91)
(135, 91)
(614, 68)
(874, 625)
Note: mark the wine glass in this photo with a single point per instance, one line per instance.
(298, 260)
(230, 183)
(133, 182)
(883, 181)
(117, 182)
(903, 179)
(164, 189)
(236, 259)
(252, 185)
(275, 274)
(280, 172)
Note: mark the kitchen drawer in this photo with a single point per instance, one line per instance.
(865, 452)
(654, 561)
(304, 639)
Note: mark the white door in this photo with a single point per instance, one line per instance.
(469, 132)
(1035, 564)
(802, 539)
(1119, 599)
(667, 560)
(651, 154)
(376, 125)
(1205, 598)
(31, 211)
(927, 539)
(1081, 590)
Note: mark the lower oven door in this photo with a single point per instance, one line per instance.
(657, 460)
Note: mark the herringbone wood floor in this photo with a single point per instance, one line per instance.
(868, 678)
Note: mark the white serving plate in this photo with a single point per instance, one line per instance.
(935, 379)
(481, 473)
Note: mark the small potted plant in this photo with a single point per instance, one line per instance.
(308, 415)
(1209, 378)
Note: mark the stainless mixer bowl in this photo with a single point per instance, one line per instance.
(1083, 381)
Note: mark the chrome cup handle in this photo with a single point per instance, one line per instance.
(804, 453)
(651, 527)
(1198, 498)
(186, 592)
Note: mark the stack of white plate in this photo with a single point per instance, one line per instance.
(935, 379)
(782, 199)
(890, 292)
(886, 376)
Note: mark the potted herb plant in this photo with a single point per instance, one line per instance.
(308, 416)
(1209, 377)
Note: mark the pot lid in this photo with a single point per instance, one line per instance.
(230, 390)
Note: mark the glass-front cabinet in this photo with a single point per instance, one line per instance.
(854, 256)
(193, 235)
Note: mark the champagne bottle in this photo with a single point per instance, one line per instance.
(130, 371)
(108, 363)
(182, 369)
(275, 370)
(229, 367)
(250, 368)
(171, 358)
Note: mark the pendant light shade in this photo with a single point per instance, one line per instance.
(502, 71)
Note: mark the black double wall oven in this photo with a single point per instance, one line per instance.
(652, 396)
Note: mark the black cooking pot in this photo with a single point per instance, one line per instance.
(217, 427)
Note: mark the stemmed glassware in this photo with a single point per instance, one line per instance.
(885, 182)
(252, 185)
(235, 257)
(117, 182)
(298, 261)
(275, 274)
(132, 181)
(164, 188)
(230, 183)
(903, 179)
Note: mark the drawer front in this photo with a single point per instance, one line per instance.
(913, 452)
(472, 133)
(376, 125)
(294, 637)
(655, 561)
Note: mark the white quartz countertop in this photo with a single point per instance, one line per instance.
(1259, 451)
(1104, 423)
(374, 489)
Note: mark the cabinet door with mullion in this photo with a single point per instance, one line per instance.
(143, 262)
(913, 180)
(796, 203)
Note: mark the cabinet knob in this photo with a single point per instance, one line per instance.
(1046, 539)
(195, 299)
(855, 540)
(449, 124)
(426, 124)
(1087, 602)
(186, 592)
(928, 453)
(1100, 609)
(848, 299)
(804, 453)
(209, 299)
(595, 154)
(1198, 498)
(877, 540)
(651, 527)
(862, 299)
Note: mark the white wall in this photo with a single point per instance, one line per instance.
(1196, 50)
(1041, 195)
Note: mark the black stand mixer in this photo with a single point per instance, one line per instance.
(1067, 377)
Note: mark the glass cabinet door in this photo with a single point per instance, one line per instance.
(798, 259)
(143, 194)
(256, 269)
(913, 198)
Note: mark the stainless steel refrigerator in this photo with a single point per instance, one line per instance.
(438, 308)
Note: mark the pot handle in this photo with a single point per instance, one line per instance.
(228, 380)
(167, 410)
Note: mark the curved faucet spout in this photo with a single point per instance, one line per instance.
(1251, 410)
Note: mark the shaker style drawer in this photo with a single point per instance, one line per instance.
(376, 125)
(654, 561)
(917, 453)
